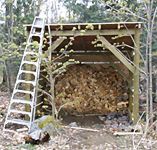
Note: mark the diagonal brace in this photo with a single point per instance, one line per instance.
(115, 52)
(56, 43)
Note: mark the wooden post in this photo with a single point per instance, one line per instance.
(135, 113)
(130, 84)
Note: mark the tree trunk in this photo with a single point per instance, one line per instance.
(9, 33)
(150, 24)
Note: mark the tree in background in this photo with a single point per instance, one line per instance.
(13, 34)
(84, 11)
(7, 37)
(101, 10)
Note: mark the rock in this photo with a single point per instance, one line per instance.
(108, 122)
(37, 137)
(41, 130)
(30, 140)
(36, 134)
(124, 118)
(102, 118)
(73, 124)
(99, 126)
(50, 129)
(34, 127)
(112, 115)
(136, 128)
(122, 127)
(45, 120)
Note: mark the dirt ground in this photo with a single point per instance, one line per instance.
(75, 137)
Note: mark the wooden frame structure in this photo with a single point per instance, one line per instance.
(116, 44)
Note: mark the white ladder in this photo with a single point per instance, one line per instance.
(28, 76)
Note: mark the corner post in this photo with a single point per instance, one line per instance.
(136, 60)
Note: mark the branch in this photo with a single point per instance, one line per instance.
(129, 11)
(153, 19)
(46, 93)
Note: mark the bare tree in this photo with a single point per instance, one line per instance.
(9, 36)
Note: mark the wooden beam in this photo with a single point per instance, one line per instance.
(117, 53)
(56, 43)
(135, 113)
(123, 32)
(127, 133)
(130, 109)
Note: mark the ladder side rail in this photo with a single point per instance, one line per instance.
(34, 97)
(38, 73)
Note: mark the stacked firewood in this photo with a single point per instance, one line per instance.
(86, 89)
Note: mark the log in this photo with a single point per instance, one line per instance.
(127, 133)
(80, 128)
(91, 89)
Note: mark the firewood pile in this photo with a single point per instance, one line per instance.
(91, 89)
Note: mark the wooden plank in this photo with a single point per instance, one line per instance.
(107, 26)
(127, 133)
(135, 113)
(80, 128)
(56, 43)
(106, 23)
(130, 109)
(89, 58)
(123, 32)
(117, 53)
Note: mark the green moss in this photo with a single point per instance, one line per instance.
(49, 120)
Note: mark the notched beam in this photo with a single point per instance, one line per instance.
(117, 53)
(56, 43)
(123, 32)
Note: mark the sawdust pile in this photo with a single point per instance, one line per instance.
(86, 89)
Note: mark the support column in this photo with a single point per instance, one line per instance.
(130, 109)
(135, 112)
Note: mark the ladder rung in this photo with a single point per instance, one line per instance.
(29, 53)
(35, 34)
(18, 121)
(22, 101)
(24, 81)
(37, 26)
(29, 72)
(31, 44)
(41, 19)
(23, 91)
(20, 112)
(29, 62)
(38, 17)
